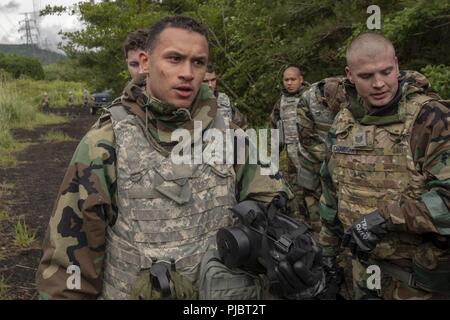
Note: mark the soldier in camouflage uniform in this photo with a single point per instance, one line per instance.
(316, 110)
(85, 98)
(133, 45)
(385, 180)
(45, 105)
(226, 107)
(125, 207)
(284, 117)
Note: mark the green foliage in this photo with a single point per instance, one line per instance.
(67, 70)
(58, 91)
(19, 105)
(56, 136)
(253, 41)
(3, 287)
(418, 29)
(23, 236)
(439, 76)
(43, 56)
(19, 66)
(3, 215)
(13, 111)
(99, 46)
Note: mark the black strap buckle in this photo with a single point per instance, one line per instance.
(284, 243)
(160, 279)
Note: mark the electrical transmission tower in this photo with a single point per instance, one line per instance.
(29, 29)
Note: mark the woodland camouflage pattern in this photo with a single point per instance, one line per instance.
(329, 96)
(316, 111)
(416, 207)
(87, 200)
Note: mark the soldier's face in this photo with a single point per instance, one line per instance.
(176, 66)
(133, 62)
(375, 77)
(211, 80)
(292, 80)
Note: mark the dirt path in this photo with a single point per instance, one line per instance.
(28, 191)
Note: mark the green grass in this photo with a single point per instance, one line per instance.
(58, 91)
(3, 216)
(19, 108)
(45, 119)
(3, 287)
(23, 236)
(7, 155)
(6, 186)
(56, 136)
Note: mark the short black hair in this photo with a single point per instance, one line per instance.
(181, 22)
(210, 68)
(135, 40)
(300, 73)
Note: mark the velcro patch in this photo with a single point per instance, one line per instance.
(343, 149)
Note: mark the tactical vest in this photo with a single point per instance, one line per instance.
(167, 212)
(288, 117)
(322, 115)
(224, 107)
(371, 165)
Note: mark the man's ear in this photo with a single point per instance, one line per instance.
(144, 62)
(397, 66)
(349, 75)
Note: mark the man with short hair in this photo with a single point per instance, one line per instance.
(229, 111)
(284, 117)
(45, 105)
(139, 226)
(386, 178)
(85, 98)
(133, 45)
(70, 99)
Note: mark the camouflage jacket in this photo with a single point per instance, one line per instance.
(429, 141)
(319, 105)
(86, 203)
(275, 114)
(237, 117)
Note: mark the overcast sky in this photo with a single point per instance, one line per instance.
(11, 13)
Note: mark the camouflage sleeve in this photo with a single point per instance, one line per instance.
(331, 231)
(251, 184)
(312, 147)
(239, 118)
(312, 143)
(254, 182)
(430, 144)
(275, 115)
(76, 232)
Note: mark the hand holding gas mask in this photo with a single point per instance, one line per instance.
(267, 241)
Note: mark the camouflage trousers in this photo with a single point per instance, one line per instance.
(305, 205)
(389, 288)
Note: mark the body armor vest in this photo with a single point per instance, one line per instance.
(288, 116)
(322, 115)
(373, 164)
(167, 212)
(224, 107)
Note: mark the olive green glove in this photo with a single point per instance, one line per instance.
(181, 288)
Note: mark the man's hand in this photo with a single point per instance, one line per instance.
(334, 278)
(365, 233)
(178, 287)
(301, 273)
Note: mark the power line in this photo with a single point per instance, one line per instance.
(29, 27)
